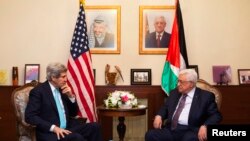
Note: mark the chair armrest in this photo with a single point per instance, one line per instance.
(82, 120)
(26, 125)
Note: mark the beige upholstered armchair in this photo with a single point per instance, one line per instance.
(19, 99)
(206, 86)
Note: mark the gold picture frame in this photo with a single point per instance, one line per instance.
(110, 16)
(146, 27)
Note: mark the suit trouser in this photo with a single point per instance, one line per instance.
(181, 133)
(80, 132)
(84, 132)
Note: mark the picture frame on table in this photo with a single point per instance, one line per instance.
(195, 67)
(244, 76)
(31, 73)
(222, 74)
(140, 77)
(94, 73)
(104, 20)
(148, 15)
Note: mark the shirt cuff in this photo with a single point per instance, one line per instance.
(72, 99)
(52, 128)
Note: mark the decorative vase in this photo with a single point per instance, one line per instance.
(125, 106)
(15, 76)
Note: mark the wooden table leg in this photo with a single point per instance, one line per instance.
(121, 128)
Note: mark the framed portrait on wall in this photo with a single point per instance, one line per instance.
(155, 27)
(103, 28)
(31, 73)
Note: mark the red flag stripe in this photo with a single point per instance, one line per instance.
(90, 69)
(83, 105)
(173, 55)
(80, 74)
(79, 86)
(77, 97)
(82, 77)
(87, 80)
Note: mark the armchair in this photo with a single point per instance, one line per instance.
(19, 99)
(202, 84)
(206, 86)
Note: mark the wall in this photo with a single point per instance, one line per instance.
(217, 33)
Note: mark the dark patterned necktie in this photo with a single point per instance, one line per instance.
(178, 111)
(158, 40)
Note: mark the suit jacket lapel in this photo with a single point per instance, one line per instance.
(50, 96)
(195, 104)
(178, 96)
(63, 97)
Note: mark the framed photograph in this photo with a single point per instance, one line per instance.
(94, 71)
(104, 29)
(195, 67)
(31, 73)
(222, 74)
(140, 77)
(155, 27)
(244, 76)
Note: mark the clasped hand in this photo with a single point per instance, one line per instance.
(67, 90)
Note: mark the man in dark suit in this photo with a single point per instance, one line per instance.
(196, 108)
(159, 38)
(53, 117)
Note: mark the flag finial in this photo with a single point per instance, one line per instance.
(82, 2)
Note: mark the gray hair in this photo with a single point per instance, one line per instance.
(190, 74)
(55, 70)
(160, 17)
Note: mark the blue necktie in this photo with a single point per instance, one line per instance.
(60, 109)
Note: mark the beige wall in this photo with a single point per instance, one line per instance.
(217, 33)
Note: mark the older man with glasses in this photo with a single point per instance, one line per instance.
(188, 111)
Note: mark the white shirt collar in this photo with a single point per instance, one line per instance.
(52, 87)
(191, 93)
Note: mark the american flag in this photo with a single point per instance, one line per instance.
(80, 72)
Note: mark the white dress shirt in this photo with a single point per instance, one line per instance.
(183, 119)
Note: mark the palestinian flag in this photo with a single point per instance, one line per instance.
(177, 54)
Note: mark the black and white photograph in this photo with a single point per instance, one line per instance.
(140, 76)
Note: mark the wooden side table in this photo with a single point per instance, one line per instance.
(121, 114)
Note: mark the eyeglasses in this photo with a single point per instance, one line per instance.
(183, 81)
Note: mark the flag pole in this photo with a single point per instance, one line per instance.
(94, 104)
(80, 74)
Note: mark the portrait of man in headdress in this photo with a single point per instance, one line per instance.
(103, 29)
(100, 33)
